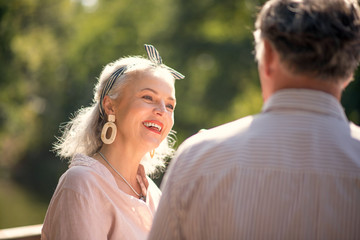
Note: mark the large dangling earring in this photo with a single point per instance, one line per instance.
(152, 153)
(109, 124)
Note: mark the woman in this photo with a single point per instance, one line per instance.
(112, 144)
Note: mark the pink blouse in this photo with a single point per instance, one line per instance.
(87, 204)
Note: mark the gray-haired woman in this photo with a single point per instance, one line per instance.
(113, 144)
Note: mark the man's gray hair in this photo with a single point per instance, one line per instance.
(320, 38)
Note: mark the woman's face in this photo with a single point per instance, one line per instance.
(145, 109)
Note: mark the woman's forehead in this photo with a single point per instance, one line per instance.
(159, 81)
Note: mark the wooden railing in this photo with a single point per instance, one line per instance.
(21, 233)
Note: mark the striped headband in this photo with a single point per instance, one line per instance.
(153, 56)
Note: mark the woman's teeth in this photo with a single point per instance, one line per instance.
(154, 125)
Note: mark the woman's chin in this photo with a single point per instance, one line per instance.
(151, 144)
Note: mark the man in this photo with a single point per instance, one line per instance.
(292, 171)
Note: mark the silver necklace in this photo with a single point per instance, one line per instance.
(141, 196)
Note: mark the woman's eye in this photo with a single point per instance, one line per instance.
(147, 97)
(170, 106)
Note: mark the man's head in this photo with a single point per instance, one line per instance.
(319, 39)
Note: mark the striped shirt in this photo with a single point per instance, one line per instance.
(290, 172)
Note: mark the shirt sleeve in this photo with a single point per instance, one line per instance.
(72, 216)
(182, 191)
(78, 209)
(168, 221)
(165, 220)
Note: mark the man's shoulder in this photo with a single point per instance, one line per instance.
(202, 153)
(220, 133)
(217, 140)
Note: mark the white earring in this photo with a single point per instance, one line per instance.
(109, 124)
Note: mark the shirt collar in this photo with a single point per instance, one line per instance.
(305, 100)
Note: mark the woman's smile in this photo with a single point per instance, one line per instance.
(154, 126)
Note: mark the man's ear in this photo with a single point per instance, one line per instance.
(347, 82)
(108, 105)
(269, 57)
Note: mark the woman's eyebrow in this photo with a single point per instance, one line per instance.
(149, 89)
(152, 90)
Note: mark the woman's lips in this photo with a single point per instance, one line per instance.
(154, 126)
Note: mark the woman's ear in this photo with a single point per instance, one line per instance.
(108, 105)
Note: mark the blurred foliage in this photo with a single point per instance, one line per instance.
(19, 207)
(52, 51)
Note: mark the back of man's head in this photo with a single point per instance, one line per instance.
(319, 38)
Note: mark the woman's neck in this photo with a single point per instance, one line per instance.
(124, 159)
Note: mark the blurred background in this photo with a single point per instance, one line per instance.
(52, 51)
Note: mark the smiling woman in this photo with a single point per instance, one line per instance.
(106, 194)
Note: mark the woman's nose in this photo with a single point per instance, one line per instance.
(160, 108)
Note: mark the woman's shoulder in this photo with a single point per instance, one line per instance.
(82, 160)
(84, 173)
(82, 166)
